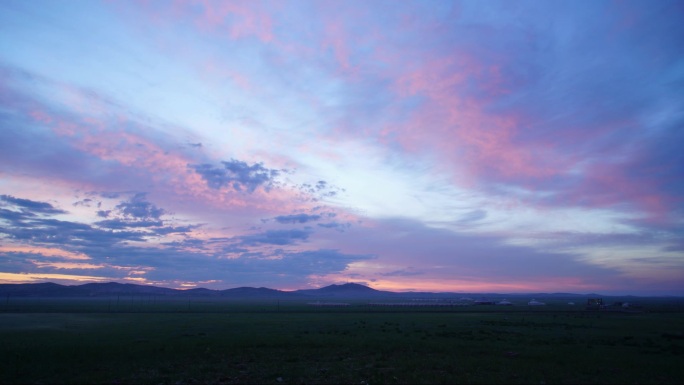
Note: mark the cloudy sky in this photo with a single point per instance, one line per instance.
(496, 146)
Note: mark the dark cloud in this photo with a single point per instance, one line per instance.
(275, 237)
(103, 213)
(137, 213)
(31, 207)
(319, 190)
(335, 225)
(296, 218)
(408, 272)
(305, 218)
(248, 268)
(117, 224)
(188, 243)
(136, 223)
(110, 195)
(84, 202)
(64, 233)
(21, 262)
(139, 209)
(238, 175)
(13, 216)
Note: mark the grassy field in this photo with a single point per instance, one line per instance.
(188, 341)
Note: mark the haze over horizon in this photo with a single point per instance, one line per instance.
(452, 146)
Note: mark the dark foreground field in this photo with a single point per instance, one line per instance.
(352, 345)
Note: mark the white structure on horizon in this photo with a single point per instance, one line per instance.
(319, 303)
(505, 302)
(534, 302)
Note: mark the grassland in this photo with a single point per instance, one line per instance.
(148, 340)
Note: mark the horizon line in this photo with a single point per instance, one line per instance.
(342, 284)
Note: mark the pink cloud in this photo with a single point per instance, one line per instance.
(336, 39)
(44, 251)
(457, 125)
(239, 19)
(169, 171)
(608, 185)
(69, 279)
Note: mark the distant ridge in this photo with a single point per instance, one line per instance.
(347, 287)
(254, 292)
(350, 290)
(347, 290)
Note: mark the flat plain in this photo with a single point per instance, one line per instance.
(188, 341)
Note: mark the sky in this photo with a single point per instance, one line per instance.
(468, 146)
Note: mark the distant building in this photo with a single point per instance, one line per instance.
(320, 304)
(534, 302)
(505, 302)
(483, 301)
(594, 303)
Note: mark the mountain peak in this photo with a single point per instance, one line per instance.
(348, 287)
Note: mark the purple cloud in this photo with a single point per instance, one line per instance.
(296, 218)
(238, 174)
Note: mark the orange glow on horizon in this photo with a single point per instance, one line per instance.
(406, 284)
(67, 265)
(44, 251)
(36, 277)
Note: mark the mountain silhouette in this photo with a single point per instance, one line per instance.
(346, 290)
